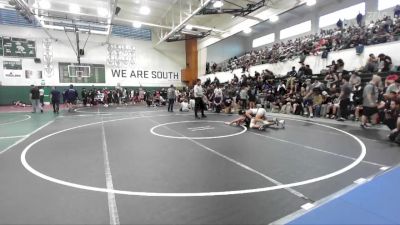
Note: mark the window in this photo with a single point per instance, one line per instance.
(385, 4)
(296, 30)
(347, 13)
(264, 40)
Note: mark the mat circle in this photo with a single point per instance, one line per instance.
(187, 194)
(152, 130)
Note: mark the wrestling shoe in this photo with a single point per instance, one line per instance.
(282, 123)
(263, 127)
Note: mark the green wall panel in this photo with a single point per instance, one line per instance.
(9, 94)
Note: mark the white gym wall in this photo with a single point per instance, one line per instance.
(168, 57)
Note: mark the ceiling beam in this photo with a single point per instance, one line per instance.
(168, 10)
(68, 13)
(207, 28)
(254, 18)
(203, 4)
(113, 5)
(143, 23)
(31, 13)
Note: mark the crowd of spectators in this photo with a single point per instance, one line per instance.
(339, 95)
(342, 37)
(120, 96)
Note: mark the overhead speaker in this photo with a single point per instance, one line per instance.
(117, 10)
(37, 60)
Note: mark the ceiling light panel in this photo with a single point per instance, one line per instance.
(145, 10)
(218, 4)
(137, 24)
(44, 4)
(103, 12)
(74, 8)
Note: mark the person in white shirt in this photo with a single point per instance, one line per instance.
(257, 119)
(218, 99)
(184, 106)
(217, 92)
(198, 97)
(41, 96)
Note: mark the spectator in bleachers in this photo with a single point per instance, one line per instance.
(338, 95)
(333, 105)
(355, 80)
(370, 100)
(344, 98)
(331, 80)
(385, 62)
(316, 103)
(392, 85)
(372, 65)
(380, 31)
(392, 117)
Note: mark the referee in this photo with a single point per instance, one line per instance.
(198, 97)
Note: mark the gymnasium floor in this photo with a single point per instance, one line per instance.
(138, 165)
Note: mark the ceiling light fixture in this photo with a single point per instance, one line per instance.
(144, 10)
(189, 27)
(44, 4)
(137, 24)
(247, 30)
(311, 2)
(274, 18)
(74, 8)
(102, 12)
(218, 4)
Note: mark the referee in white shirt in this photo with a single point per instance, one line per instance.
(198, 97)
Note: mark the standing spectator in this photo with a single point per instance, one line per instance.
(339, 24)
(198, 97)
(55, 100)
(34, 95)
(252, 93)
(290, 80)
(359, 19)
(41, 96)
(214, 67)
(370, 99)
(344, 98)
(397, 11)
(243, 98)
(84, 96)
(218, 97)
(71, 96)
(171, 98)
